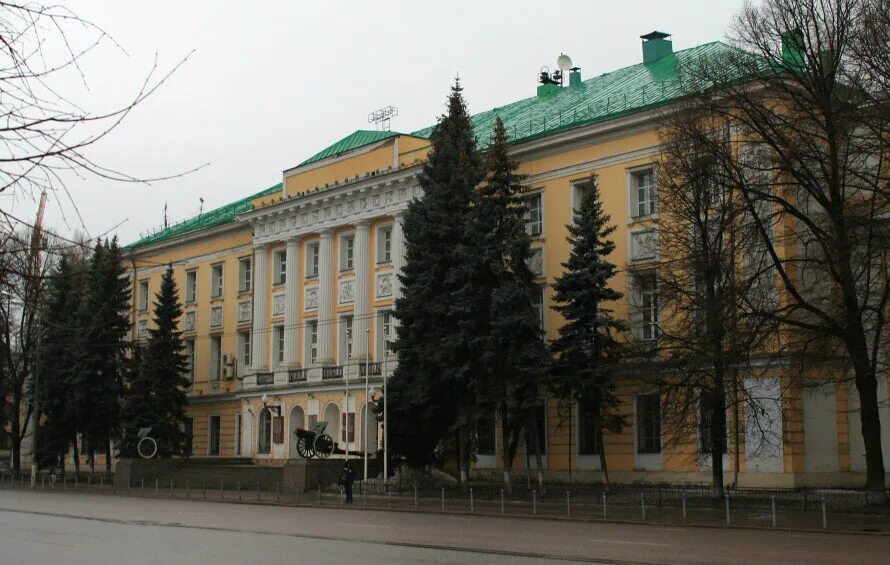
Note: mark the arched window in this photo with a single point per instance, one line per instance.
(264, 432)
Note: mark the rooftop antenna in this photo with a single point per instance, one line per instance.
(165, 215)
(201, 209)
(381, 118)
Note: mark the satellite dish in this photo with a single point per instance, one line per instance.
(564, 62)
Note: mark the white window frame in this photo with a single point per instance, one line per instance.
(191, 286)
(245, 274)
(633, 194)
(312, 255)
(216, 355)
(244, 345)
(346, 339)
(279, 260)
(534, 227)
(647, 460)
(384, 244)
(347, 252)
(189, 346)
(217, 280)
(577, 192)
(143, 295)
(278, 345)
(385, 328)
(541, 308)
(210, 418)
(311, 340)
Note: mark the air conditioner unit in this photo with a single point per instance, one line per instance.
(228, 372)
(228, 359)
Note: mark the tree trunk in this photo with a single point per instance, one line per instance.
(603, 466)
(16, 439)
(76, 457)
(506, 455)
(108, 456)
(867, 387)
(539, 463)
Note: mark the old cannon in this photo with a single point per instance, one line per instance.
(314, 442)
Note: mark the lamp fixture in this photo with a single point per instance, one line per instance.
(276, 408)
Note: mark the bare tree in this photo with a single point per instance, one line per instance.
(809, 163)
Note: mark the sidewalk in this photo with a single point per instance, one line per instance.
(549, 509)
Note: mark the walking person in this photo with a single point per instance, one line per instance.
(346, 478)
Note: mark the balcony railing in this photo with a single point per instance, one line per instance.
(332, 372)
(265, 378)
(372, 369)
(297, 375)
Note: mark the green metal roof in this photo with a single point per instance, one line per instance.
(206, 220)
(600, 98)
(352, 141)
(631, 89)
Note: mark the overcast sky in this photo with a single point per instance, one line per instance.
(271, 83)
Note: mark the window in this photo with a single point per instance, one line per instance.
(643, 184)
(279, 345)
(215, 357)
(588, 440)
(191, 286)
(534, 215)
(346, 338)
(485, 434)
(538, 432)
(312, 342)
(384, 244)
(347, 252)
(706, 402)
(188, 429)
(538, 304)
(579, 191)
(216, 281)
(245, 274)
(264, 432)
(644, 309)
(385, 333)
(535, 261)
(189, 351)
(244, 348)
(280, 261)
(143, 295)
(347, 428)
(213, 436)
(649, 423)
(238, 424)
(312, 260)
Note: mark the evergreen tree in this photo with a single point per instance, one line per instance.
(587, 348)
(105, 324)
(161, 381)
(432, 388)
(137, 410)
(515, 356)
(59, 360)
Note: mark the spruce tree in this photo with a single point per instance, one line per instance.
(587, 348)
(432, 388)
(515, 356)
(59, 359)
(105, 324)
(161, 378)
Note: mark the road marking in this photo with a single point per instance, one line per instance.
(627, 542)
(367, 526)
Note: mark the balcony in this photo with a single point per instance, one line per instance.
(372, 369)
(328, 373)
(297, 375)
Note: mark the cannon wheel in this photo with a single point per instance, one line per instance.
(323, 446)
(304, 448)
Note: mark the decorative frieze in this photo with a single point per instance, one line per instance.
(190, 321)
(643, 245)
(535, 261)
(347, 291)
(216, 316)
(245, 311)
(310, 301)
(143, 329)
(279, 302)
(384, 284)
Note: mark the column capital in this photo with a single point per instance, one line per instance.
(294, 239)
(326, 232)
(362, 224)
(398, 215)
(261, 246)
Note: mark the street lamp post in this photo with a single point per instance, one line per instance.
(385, 421)
(365, 420)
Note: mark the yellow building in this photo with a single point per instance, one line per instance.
(288, 293)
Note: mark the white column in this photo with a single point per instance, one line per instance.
(260, 308)
(398, 253)
(325, 298)
(291, 313)
(362, 267)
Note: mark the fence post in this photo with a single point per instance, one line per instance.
(220, 490)
(90, 482)
(534, 503)
(443, 498)
(726, 497)
(568, 505)
(42, 482)
(75, 481)
(258, 491)
(604, 506)
(471, 499)
(277, 494)
(502, 501)
(156, 486)
(643, 505)
(415, 497)
(773, 504)
(188, 492)
(365, 493)
(824, 515)
(239, 490)
(65, 482)
(141, 481)
(204, 490)
(683, 498)
(319, 494)
(171, 489)
(388, 496)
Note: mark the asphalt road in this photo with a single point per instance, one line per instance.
(53, 528)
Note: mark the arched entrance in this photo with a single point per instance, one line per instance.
(264, 432)
(332, 417)
(369, 435)
(296, 420)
